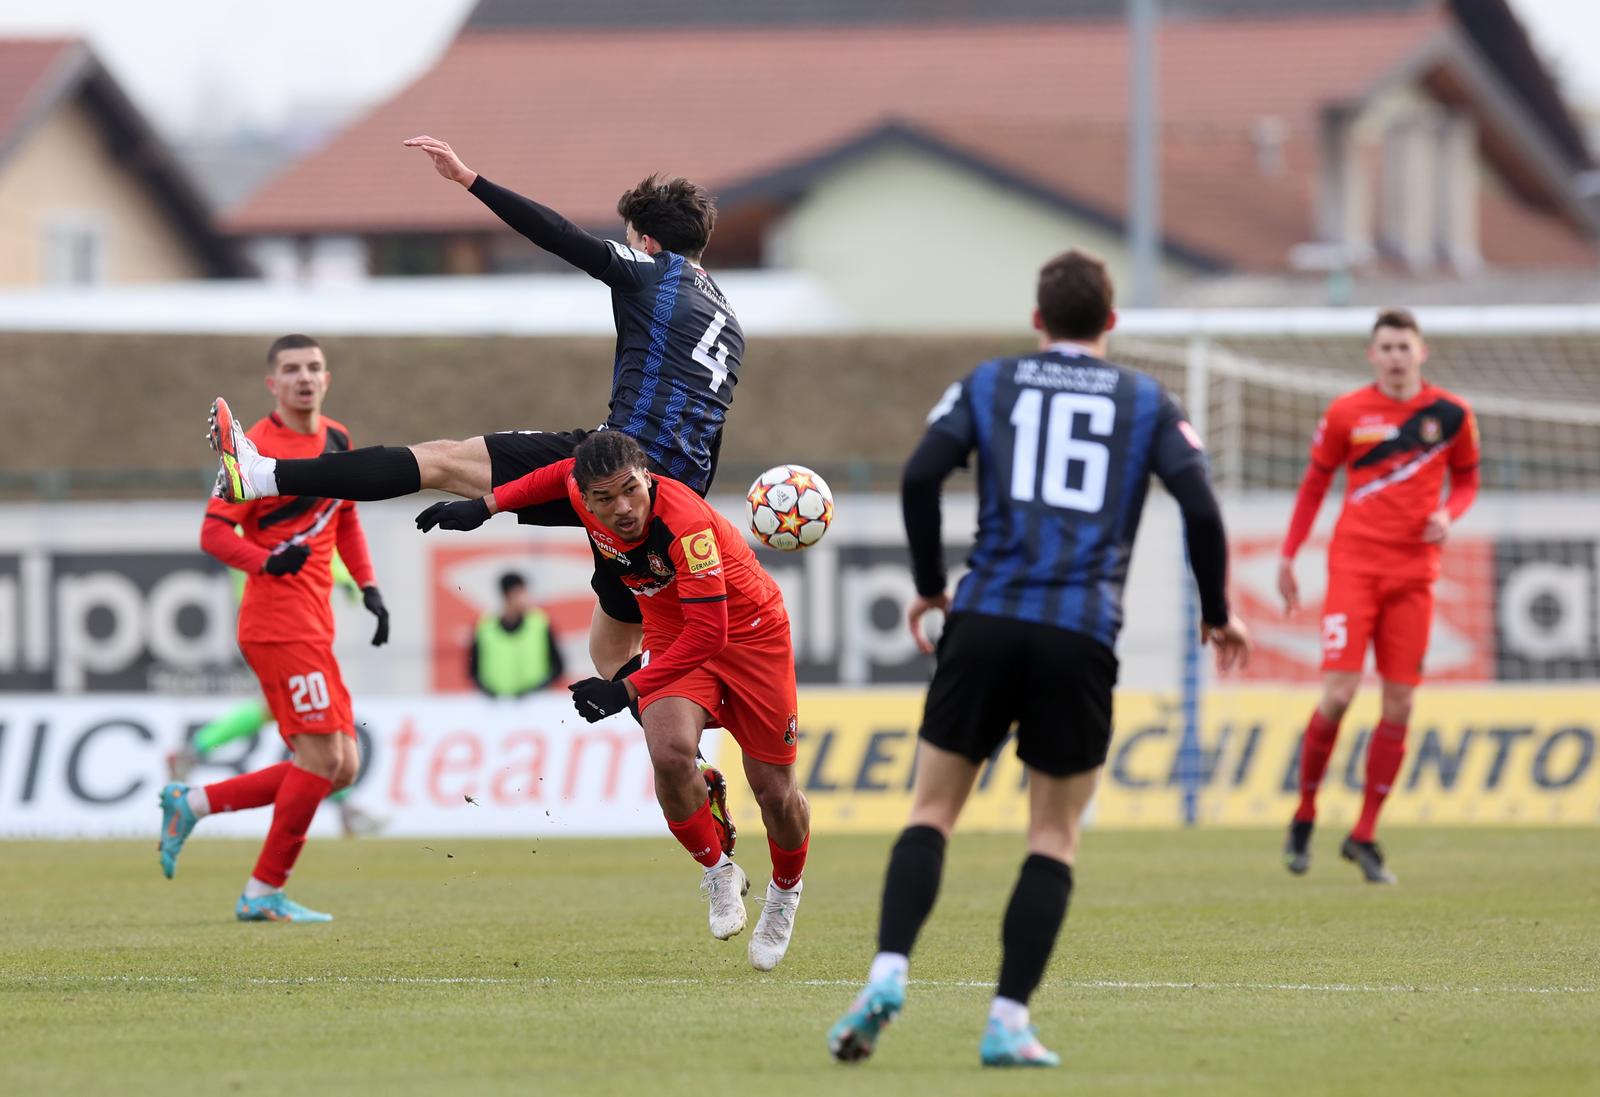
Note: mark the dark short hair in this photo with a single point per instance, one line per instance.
(511, 581)
(289, 342)
(1075, 296)
(603, 454)
(678, 214)
(1403, 319)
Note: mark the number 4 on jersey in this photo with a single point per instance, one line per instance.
(711, 354)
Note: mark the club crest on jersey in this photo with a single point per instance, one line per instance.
(700, 551)
(791, 733)
(658, 565)
(1430, 430)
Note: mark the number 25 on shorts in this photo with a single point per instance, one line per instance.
(1335, 633)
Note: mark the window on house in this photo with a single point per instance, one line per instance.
(74, 252)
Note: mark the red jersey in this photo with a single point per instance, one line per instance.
(282, 608)
(1395, 454)
(696, 580)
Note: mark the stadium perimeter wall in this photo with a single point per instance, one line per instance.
(116, 640)
(137, 402)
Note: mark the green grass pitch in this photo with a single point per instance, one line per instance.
(1191, 963)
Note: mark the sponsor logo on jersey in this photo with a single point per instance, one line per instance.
(658, 565)
(1365, 433)
(700, 551)
(612, 553)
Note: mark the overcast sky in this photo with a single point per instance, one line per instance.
(209, 66)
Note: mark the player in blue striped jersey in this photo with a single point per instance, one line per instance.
(1066, 443)
(679, 347)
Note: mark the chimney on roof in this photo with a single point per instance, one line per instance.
(1269, 133)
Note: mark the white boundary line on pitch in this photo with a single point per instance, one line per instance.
(578, 980)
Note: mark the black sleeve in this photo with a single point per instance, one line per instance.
(557, 667)
(1207, 541)
(936, 457)
(472, 667)
(545, 227)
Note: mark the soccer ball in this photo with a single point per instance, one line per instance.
(790, 507)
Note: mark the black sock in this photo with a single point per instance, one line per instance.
(910, 887)
(1033, 921)
(373, 472)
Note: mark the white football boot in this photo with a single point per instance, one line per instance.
(725, 888)
(239, 455)
(774, 928)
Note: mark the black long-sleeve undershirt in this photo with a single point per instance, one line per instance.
(545, 227)
(935, 458)
(1206, 538)
(938, 455)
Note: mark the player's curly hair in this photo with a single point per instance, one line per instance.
(679, 214)
(603, 454)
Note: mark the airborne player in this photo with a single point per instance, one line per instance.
(1395, 438)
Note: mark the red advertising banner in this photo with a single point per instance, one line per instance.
(1461, 646)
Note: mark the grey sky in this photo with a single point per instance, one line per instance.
(209, 66)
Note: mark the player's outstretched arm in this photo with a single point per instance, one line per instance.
(540, 224)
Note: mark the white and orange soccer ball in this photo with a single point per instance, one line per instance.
(790, 507)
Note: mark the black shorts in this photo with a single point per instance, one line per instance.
(515, 453)
(1052, 683)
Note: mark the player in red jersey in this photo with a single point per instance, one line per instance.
(286, 635)
(1395, 438)
(716, 653)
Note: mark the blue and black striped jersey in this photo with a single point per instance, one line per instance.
(679, 347)
(1066, 444)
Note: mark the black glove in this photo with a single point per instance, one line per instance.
(286, 560)
(461, 514)
(596, 698)
(374, 603)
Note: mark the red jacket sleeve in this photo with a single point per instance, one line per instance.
(219, 540)
(351, 541)
(1330, 445)
(1306, 504)
(542, 485)
(1463, 490)
(704, 635)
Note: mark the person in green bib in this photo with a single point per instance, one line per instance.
(513, 651)
(248, 717)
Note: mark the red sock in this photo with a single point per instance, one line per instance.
(298, 797)
(698, 835)
(1384, 755)
(1315, 750)
(248, 790)
(788, 864)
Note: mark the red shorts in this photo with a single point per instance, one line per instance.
(1393, 612)
(749, 689)
(303, 687)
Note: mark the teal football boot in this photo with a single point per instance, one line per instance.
(176, 823)
(855, 1034)
(276, 907)
(1004, 1047)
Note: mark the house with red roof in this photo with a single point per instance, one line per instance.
(88, 192)
(868, 142)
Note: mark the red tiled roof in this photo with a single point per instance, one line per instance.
(1218, 198)
(26, 65)
(574, 118)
